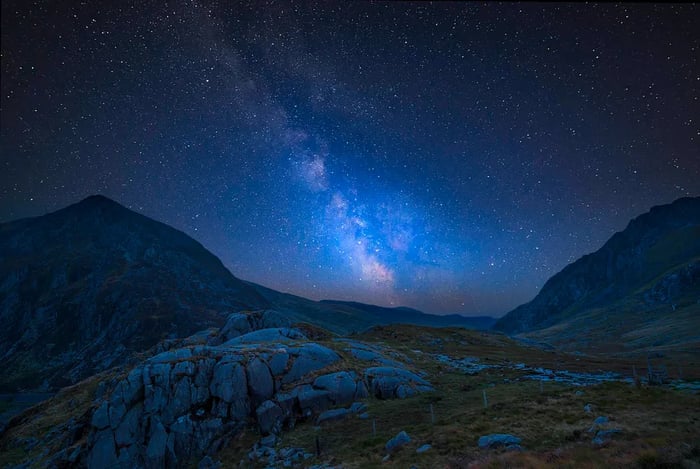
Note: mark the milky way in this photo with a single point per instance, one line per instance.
(447, 156)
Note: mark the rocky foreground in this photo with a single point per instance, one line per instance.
(261, 392)
(187, 402)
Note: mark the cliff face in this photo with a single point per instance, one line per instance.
(654, 262)
(84, 287)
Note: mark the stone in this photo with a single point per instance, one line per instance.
(182, 433)
(423, 448)
(230, 384)
(331, 415)
(399, 440)
(367, 355)
(117, 410)
(309, 357)
(341, 386)
(269, 440)
(588, 408)
(180, 400)
(100, 418)
(278, 362)
(358, 407)
(171, 356)
(391, 382)
(260, 384)
(603, 436)
(282, 334)
(236, 324)
(208, 463)
(126, 432)
(312, 400)
(498, 439)
(155, 450)
(103, 453)
(269, 416)
(601, 420)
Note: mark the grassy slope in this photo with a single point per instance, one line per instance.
(660, 424)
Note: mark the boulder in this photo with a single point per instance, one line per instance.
(157, 444)
(498, 439)
(278, 361)
(103, 453)
(398, 441)
(260, 385)
(341, 386)
(423, 448)
(281, 334)
(269, 416)
(237, 324)
(241, 323)
(312, 400)
(602, 437)
(100, 418)
(309, 357)
(598, 422)
(331, 415)
(358, 407)
(390, 382)
(229, 384)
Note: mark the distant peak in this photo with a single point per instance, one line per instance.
(97, 202)
(97, 199)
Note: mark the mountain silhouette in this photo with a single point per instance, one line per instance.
(642, 288)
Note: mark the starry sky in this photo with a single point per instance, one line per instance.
(449, 157)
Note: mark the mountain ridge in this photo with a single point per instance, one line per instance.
(661, 244)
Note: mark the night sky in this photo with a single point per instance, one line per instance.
(449, 157)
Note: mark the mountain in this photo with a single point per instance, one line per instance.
(413, 316)
(641, 289)
(83, 288)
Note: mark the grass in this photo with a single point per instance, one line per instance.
(660, 426)
(77, 401)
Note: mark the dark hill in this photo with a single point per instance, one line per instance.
(83, 287)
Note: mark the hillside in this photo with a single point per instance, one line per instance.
(84, 287)
(397, 396)
(641, 289)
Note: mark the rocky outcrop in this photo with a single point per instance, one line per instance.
(186, 403)
(387, 382)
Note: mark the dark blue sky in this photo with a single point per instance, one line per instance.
(447, 156)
